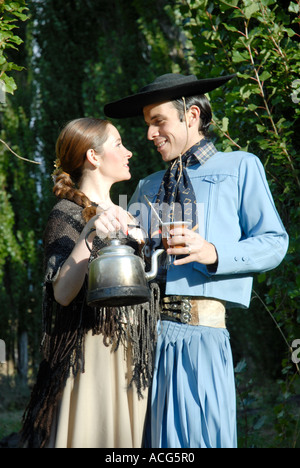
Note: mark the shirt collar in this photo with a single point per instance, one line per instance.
(202, 151)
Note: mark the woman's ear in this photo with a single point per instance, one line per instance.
(92, 158)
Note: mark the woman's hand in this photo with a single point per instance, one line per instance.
(196, 248)
(111, 220)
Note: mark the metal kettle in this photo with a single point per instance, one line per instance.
(117, 276)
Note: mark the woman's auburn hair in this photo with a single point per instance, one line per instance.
(76, 138)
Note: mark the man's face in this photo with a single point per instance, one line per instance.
(168, 134)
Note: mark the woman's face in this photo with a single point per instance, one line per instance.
(114, 161)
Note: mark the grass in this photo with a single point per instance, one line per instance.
(268, 412)
(14, 398)
(10, 421)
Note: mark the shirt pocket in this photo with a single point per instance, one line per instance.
(151, 193)
(214, 189)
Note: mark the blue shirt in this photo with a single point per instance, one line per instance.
(237, 214)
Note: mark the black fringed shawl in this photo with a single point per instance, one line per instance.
(65, 328)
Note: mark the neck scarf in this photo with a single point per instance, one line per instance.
(176, 199)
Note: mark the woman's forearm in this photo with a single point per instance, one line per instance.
(73, 272)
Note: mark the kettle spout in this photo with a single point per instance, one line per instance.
(150, 275)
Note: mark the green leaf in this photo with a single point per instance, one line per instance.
(10, 85)
(225, 122)
(265, 76)
(230, 28)
(260, 128)
(231, 3)
(243, 75)
(250, 10)
(294, 7)
(268, 2)
(261, 278)
(21, 16)
(238, 57)
(252, 107)
(290, 32)
(247, 90)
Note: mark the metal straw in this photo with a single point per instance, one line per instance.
(154, 211)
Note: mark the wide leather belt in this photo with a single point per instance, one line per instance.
(194, 311)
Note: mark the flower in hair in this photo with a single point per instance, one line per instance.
(57, 164)
(57, 170)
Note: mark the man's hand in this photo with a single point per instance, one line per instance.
(196, 249)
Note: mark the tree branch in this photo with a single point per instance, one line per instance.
(15, 154)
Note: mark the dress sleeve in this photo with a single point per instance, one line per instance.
(62, 231)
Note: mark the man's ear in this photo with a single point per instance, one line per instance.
(194, 116)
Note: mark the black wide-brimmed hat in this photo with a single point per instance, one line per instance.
(165, 88)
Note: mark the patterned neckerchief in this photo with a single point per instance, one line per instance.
(176, 199)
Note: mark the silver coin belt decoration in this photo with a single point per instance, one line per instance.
(176, 308)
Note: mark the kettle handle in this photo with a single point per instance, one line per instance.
(94, 229)
(86, 239)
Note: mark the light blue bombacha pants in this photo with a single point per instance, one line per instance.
(193, 402)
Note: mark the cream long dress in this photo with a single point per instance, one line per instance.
(97, 409)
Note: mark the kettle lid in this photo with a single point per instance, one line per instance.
(116, 248)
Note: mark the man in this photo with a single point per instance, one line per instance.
(234, 232)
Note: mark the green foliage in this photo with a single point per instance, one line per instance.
(11, 12)
(268, 416)
(20, 266)
(20, 255)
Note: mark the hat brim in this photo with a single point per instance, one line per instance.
(132, 106)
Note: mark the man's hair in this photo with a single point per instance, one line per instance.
(200, 101)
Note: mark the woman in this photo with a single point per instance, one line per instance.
(83, 397)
